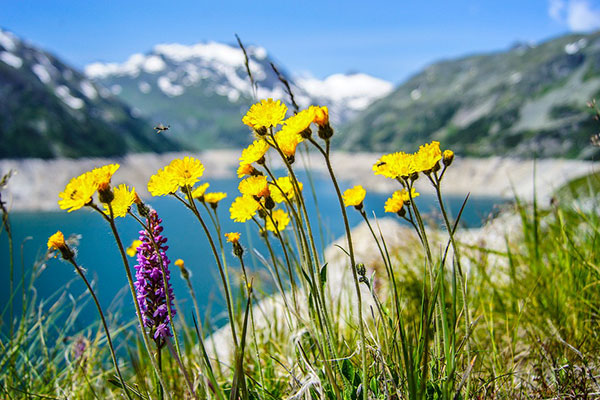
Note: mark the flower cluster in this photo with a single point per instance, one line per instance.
(79, 190)
(150, 283)
(400, 198)
(403, 165)
(180, 173)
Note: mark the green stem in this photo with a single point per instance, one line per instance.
(326, 155)
(108, 338)
(192, 206)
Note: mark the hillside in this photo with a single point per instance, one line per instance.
(48, 109)
(529, 100)
(203, 90)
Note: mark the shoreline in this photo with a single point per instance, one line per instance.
(37, 182)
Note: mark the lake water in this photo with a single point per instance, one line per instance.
(98, 253)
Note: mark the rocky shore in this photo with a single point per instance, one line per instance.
(37, 182)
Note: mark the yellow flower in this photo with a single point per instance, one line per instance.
(78, 192)
(284, 185)
(405, 197)
(288, 139)
(427, 157)
(254, 152)
(447, 157)
(215, 197)
(281, 219)
(132, 249)
(233, 237)
(198, 193)
(56, 241)
(103, 175)
(254, 186)
(394, 165)
(243, 208)
(179, 262)
(162, 183)
(321, 115)
(265, 114)
(395, 203)
(186, 171)
(355, 196)
(123, 199)
(244, 169)
(300, 122)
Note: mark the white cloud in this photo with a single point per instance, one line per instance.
(578, 15)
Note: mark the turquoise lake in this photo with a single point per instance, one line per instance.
(98, 253)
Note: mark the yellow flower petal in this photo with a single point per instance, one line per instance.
(281, 219)
(123, 199)
(243, 208)
(265, 114)
(354, 196)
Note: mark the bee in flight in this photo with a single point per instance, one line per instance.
(161, 128)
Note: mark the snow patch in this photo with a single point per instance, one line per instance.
(11, 59)
(153, 64)
(64, 94)
(42, 73)
(8, 40)
(116, 89)
(347, 88)
(144, 87)
(168, 87)
(415, 94)
(88, 89)
(572, 48)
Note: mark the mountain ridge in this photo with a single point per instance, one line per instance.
(529, 100)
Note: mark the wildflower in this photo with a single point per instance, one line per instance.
(277, 222)
(132, 249)
(264, 115)
(57, 242)
(78, 192)
(198, 193)
(322, 120)
(256, 186)
(104, 174)
(300, 123)
(394, 165)
(150, 284)
(447, 157)
(354, 197)
(321, 115)
(186, 171)
(255, 152)
(184, 271)
(162, 183)
(427, 157)
(287, 140)
(284, 188)
(234, 239)
(123, 198)
(395, 203)
(245, 169)
(243, 208)
(214, 198)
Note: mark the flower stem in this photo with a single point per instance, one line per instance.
(108, 338)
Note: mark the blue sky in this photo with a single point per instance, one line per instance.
(387, 39)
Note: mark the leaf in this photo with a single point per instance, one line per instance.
(323, 275)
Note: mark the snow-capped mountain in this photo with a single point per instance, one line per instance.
(49, 109)
(203, 90)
